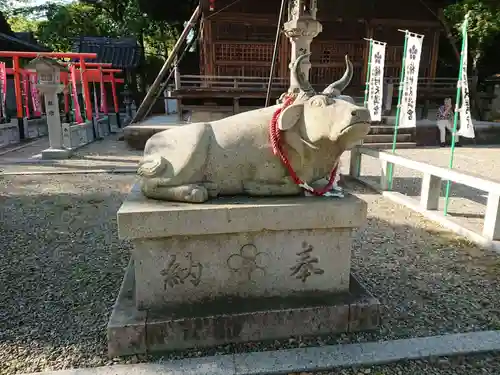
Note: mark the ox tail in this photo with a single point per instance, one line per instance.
(152, 166)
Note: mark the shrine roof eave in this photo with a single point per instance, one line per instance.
(16, 44)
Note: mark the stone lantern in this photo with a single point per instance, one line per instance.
(301, 28)
(49, 78)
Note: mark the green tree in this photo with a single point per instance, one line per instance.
(65, 22)
(484, 25)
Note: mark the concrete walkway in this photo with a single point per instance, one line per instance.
(310, 359)
(107, 155)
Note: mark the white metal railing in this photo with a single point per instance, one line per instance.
(431, 184)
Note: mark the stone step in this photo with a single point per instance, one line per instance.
(384, 146)
(388, 129)
(387, 138)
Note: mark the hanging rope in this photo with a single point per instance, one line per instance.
(278, 150)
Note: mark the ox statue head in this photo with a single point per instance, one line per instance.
(327, 115)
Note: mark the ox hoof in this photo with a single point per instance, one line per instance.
(212, 188)
(199, 194)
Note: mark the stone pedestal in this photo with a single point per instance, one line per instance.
(236, 270)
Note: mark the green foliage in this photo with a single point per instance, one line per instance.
(20, 23)
(65, 22)
(157, 36)
(484, 24)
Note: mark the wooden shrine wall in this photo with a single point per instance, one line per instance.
(235, 47)
(239, 40)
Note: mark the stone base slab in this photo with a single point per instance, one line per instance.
(235, 320)
(56, 154)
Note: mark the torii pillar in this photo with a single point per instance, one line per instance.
(301, 28)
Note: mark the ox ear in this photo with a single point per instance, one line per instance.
(290, 116)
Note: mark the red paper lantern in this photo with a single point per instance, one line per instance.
(212, 5)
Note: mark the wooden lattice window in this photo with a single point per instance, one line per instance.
(243, 52)
(334, 51)
(348, 30)
(246, 32)
(229, 70)
(257, 71)
(327, 75)
(229, 31)
(260, 33)
(394, 57)
(393, 54)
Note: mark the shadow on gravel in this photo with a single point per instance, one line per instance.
(61, 265)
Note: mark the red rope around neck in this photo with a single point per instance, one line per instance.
(277, 146)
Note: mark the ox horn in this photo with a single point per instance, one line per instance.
(343, 82)
(299, 76)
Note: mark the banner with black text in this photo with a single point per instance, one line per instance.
(408, 118)
(375, 86)
(466, 127)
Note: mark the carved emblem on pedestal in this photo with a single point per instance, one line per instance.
(297, 32)
(306, 265)
(248, 261)
(174, 274)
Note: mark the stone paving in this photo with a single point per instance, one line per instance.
(107, 154)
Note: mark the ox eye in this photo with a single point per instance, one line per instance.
(317, 103)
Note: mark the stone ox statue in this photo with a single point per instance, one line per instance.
(232, 156)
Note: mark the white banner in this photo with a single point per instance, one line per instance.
(466, 127)
(377, 60)
(407, 118)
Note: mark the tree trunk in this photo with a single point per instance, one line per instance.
(449, 35)
(142, 65)
(476, 107)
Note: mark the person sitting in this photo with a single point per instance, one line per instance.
(445, 121)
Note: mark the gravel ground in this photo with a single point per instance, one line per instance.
(470, 365)
(61, 266)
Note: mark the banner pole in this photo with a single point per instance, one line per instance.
(398, 110)
(368, 72)
(455, 115)
(367, 85)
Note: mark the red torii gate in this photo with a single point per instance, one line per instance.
(85, 75)
(93, 75)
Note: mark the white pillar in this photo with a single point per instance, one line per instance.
(301, 28)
